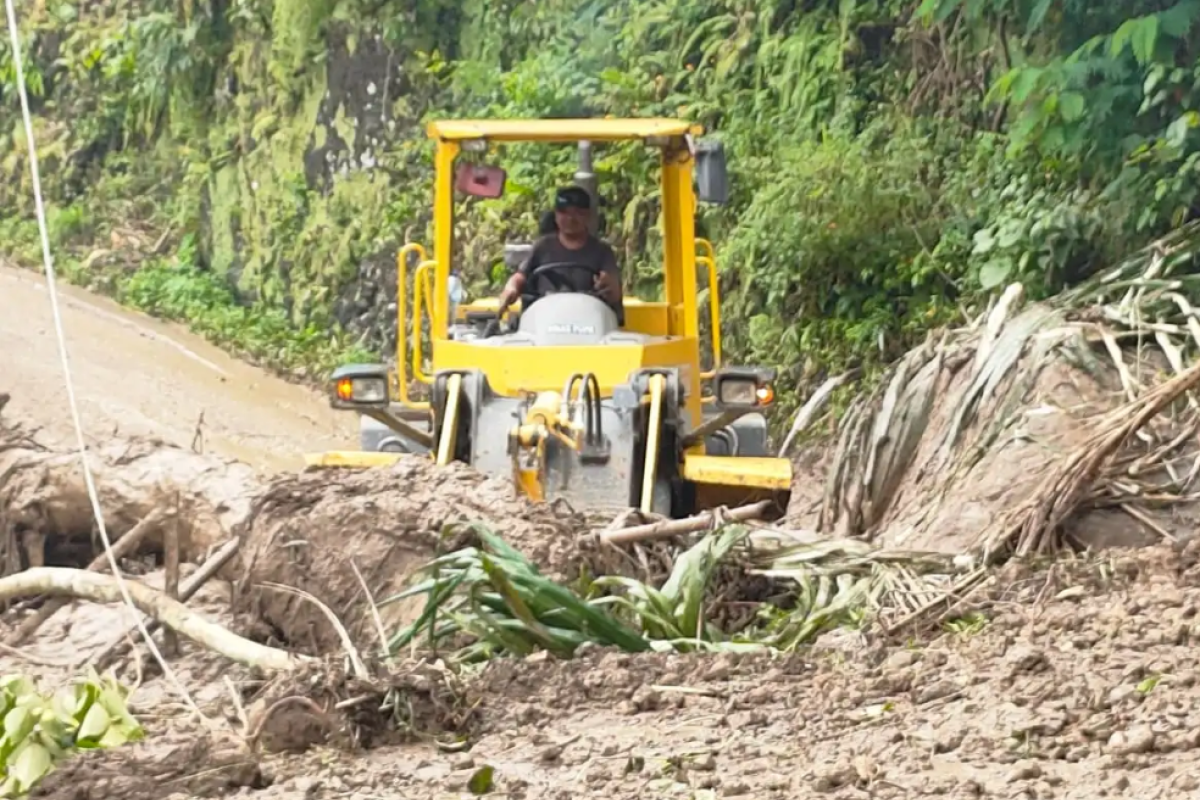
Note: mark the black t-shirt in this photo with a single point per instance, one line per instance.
(550, 250)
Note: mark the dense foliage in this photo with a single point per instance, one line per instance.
(895, 160)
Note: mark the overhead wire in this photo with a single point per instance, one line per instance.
(51, 284)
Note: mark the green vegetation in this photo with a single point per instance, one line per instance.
(895, 160)
(491, 600)
(38, 730)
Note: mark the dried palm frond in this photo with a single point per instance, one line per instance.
(948, 404)
(1036, 526)
(843, 581)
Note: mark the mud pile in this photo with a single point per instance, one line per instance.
(320, 531)
(46, 516)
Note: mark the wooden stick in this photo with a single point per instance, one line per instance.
(678, 527)
(123, 547)
(187, 590)
(171, 570)
(78, 583)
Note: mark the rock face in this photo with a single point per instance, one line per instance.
(293, 134)
(300, 218)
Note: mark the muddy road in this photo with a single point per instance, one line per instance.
(137, 376)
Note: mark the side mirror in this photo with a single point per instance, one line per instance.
(712, 178)
(480, 180)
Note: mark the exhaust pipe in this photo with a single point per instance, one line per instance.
(586, 178)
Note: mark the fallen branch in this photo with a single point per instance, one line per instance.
(63, 582)
(679, 527)
(123, 547)
(187, 590)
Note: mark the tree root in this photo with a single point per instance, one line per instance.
(97, 588)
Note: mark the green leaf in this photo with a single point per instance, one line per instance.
(1122, 36)
(1177, 21)
(1052, 139)
(1177, 132)
(995, 272)
(1011, 232)
(1145, 37)
(31, 765)
(1025, 82)
(1037, 16)
(17, 724)
(482, 781)
(1148, 685)
(944, 9)
(93, 727)
(1154, 77)
(985, 242)
(516, 604)
(1071, 106)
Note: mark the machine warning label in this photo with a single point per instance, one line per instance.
(577, 330)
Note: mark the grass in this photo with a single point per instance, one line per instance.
(179, 291)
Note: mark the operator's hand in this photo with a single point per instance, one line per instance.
(604, 283)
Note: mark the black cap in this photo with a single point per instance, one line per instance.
(572, 197)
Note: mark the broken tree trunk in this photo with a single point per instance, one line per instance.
(187, 590)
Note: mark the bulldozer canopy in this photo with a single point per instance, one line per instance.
(560, 130)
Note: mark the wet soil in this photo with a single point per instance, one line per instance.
(337, 533)
(1080, 685)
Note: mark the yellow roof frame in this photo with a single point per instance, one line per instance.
(560, 130)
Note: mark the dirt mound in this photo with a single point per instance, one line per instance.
(311, 531)
(196, 765)
(314, 530)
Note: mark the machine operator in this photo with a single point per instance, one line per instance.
(572, 243)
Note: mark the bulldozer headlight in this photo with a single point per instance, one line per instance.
(362, 390)
(360, 385)
(738, 393)
(739, 388)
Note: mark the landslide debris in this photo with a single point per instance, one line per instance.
(1075, 685)
(321, 530)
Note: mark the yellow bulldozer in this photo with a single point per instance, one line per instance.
(555, 391)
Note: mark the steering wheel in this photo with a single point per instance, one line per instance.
(557, 281)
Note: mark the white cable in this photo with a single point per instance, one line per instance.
(62, 350)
